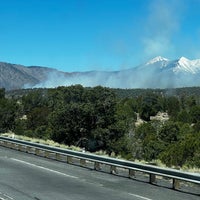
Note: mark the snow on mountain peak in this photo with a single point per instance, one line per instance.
(184, 61)
(183, 58)
(156, 59)
(186, 65)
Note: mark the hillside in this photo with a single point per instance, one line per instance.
(158, 73)
(14, 76)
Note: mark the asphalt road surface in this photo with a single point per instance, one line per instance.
(27, 177)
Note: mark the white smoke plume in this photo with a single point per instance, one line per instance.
(157, 38)
(162, 22)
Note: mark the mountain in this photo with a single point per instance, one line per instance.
(14, 76)
(158, 72)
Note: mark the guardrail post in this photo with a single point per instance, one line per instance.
(176, 184)
(152, 178)
(69, 159)
(131, 173)
(113, 169)
(97, 166)
(4, 144)
(46, 154)
(37, 152)
(57, 156)
(7, 144)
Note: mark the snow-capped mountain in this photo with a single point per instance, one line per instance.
(158, 72)
(186, 65)
(178, 66)
(157, 59)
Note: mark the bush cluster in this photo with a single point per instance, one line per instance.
(99, 118)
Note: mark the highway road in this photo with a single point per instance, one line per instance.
(28, 177)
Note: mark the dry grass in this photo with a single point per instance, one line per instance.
(101, 153)
(41, 141)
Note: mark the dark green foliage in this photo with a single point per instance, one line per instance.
(20, 126)
(134, 93)
(185, 151)
(71, 123)
(2, 93)
(37, 117)
(196, 127)
(126, 112)
(149, 105)
(85, 117)
(195, 114)
(8, 113)
(184, 116)
(147, 145)
(33, 99)
(169, 132)
(173, 106)
(104, 119)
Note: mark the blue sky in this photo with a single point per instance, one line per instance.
(82, 35)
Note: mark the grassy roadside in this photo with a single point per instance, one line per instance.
(102, 153)
(41, 141)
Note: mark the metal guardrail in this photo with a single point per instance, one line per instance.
(153, 171)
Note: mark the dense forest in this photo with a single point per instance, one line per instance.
(106, 119)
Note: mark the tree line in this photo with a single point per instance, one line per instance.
(99, 119)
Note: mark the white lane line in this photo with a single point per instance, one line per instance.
(44, 168)
(139, 197)
(6, 196)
